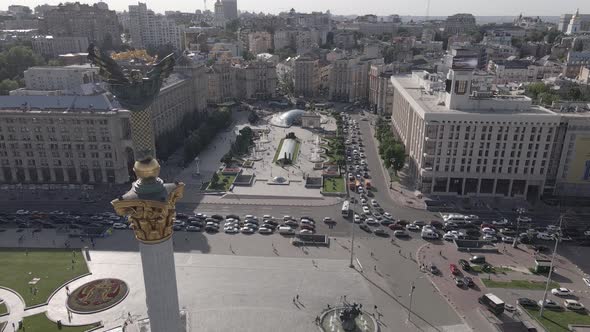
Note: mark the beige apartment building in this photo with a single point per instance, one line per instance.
(64, 139)
(259, 42)
(306, 76)
(349, 79)
(257, 80)
(461, 142)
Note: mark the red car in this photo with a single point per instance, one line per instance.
(454, 269)
(396, 227)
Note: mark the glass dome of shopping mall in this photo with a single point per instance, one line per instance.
(287, 119)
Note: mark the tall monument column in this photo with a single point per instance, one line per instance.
(150, 205)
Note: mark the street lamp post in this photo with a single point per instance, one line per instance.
(550, 269)
(412, 287)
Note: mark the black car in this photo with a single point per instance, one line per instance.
(526, 302)
(464, 265)
(381, 232)
(211, 229)
(434, 269)
(217, 217)
(365, 228)
(468, 281)
(233, 216)
(478, 259)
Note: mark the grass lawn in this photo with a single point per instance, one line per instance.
(557, 321)
(296, 152)
(40, 323)
(520, 284)
(3, 309)
(274, 160)
(221, 185)
(495, 269)
(334, 185)
(53, 267)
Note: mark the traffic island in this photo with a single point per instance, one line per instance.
(97, 295)
(560, 320)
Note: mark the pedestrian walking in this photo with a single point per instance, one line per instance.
(440, 252)
(297, 297)
(375, 268)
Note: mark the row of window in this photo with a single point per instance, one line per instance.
(28, 120)
(52, 138)
(493, 169)
(56, 163)
(56, 154)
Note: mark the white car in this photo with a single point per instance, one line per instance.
(329, 220)
(544, 236)
(284, 230)
(488, 237)
(561, 292)
(419, 222)
(449, 237)
(371, 222)
(119, 225)
(374, 203)
(307, 221)
(586, 281)
(387, 215)
(264, 230)
(428, 228)
(573, 305)
(363, 201)
(305, 231)
(507, 239)
(524, 219)
(357, 219)
(366, 209)
(22, 212)
(488, 230)
(231, 230)
(249, 216)
(412, 227)
(246, 230)
(500, 222)
(267, 216)
(587, 233)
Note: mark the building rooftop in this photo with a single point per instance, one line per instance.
(424, 102)
(66, 103)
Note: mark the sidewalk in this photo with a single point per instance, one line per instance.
(399, 193)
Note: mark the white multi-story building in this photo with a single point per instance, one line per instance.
(465, 143)
(578, 23)
(64, 139)
(380, 88)
(148, 29)
(66, 80)
(53, 46)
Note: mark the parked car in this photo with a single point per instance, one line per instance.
(468, 281)
(285, 230)
(434, 269)
(561, 292)
(192, 228)
(478, 259)
(573, 305)
(544, 236)
(586, 281)
(454, 269)
(305, 231)
(464, 265)
(246, 230)
(365, 228)
(119, 225)
(526, 302)
(550, 304)
(380, 232)
(264, 230)
(400, 233)
(459, 282)
(413, 227)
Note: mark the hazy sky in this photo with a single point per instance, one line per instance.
(353, 7)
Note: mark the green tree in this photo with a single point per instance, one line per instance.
(247, 55)
(548, 98)
(55, 62)
(16, 60)
(233, 25)
(6, 85)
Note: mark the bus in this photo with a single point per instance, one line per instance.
(346, 209)
(493, 303)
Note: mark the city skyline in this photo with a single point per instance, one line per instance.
(378, 7)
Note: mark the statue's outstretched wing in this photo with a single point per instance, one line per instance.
(162, 69)
(110, 70)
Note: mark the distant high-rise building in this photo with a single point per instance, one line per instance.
(230, 9)
(460, 23)
(150, 29)
(219, 19)
(80, 20)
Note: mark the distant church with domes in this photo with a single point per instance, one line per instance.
(573, 24)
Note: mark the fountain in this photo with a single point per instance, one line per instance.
(264, 138)
(349, 318)
(317, 151)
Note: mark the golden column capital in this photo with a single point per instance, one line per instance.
(150, 220)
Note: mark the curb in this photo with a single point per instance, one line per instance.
(7, 309)
(15, 293)
(63, 285)
(100, 325)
